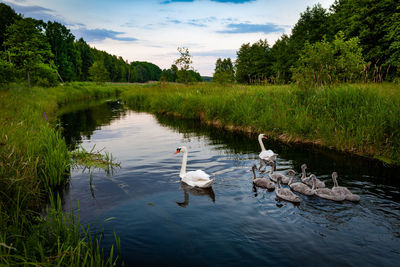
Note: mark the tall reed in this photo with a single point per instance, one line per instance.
(359, 118)
(34, 165)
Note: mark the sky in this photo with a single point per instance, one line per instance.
(152, 30)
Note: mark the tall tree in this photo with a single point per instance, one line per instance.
(7, 17)
(324, 63)
(62, 45)
(254, 62)
(312, 26)
(282, 60)
(98, 72)
(224, 71)
(86, 59)
(27, 47)
(184, 62)
(376, 24)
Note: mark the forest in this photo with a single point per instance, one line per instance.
(45, 53)
(351, 41)
(331, 84)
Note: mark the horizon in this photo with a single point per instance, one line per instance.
(153, 30)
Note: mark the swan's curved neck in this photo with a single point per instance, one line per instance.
(184, 160)
(335, 184)
(261, 143)
(303, 174)
(254, 173)
(313, 184)
(291, 180)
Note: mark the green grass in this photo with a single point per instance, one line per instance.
(357, 118)
(35, 162)
(34, 165)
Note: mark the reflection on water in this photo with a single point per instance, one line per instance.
(82, 123)
(231, 223)
(195, 191)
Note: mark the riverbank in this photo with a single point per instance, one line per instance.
(34, 169)
(360, 119)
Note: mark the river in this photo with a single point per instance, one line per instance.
(162, 221)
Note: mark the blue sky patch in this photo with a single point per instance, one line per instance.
(252, 28)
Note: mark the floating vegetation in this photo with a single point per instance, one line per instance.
(94, 160)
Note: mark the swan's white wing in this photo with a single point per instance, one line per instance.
(197, 178)
(197, 175)
(267, 154)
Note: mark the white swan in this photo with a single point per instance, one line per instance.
(265, 154)
(325, 192)
(286, 194)
(194, 178)
(341, 190)
(308, 180)
(262, 182)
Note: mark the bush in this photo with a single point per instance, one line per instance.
(7, 71)
(325, 63)
(44, 75)
(98, 73)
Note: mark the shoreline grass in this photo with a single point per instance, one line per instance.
(34, 160)
(34, 167)
(362, 119)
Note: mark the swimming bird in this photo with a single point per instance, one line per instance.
(262, 182)
(193, 178)
(307, 180)
(299, 187)
(265, 154)
(325, 193)
(343, 190)
(274, 176)
(286, 194)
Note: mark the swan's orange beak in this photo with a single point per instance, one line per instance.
(177, 151)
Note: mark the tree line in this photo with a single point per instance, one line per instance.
(352, 40)
(46, 53)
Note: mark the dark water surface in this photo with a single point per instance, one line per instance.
(161, 221)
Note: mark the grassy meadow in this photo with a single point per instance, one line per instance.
(357, 118)
(35, 161)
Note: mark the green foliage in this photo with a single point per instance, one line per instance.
(98, 73)
(61, 42)
(84, 61)
(169, 75)
(325, 63)
(349, 117)
(311, 27)
(34, 166)
(184, 75)
(93, 159)
(224, 72)
(7, 17)
(31, 43)
(254, 63)
(7, 71)
(27, 47)
(44, 75)
(282, 60)
(376, 24)
(143, 72)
